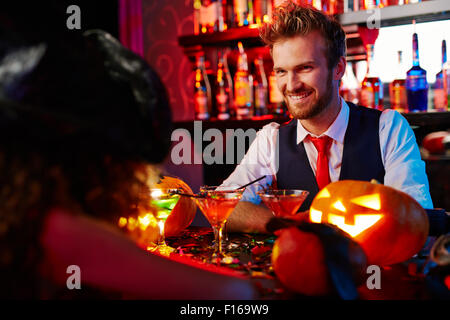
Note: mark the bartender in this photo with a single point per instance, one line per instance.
(328, 139)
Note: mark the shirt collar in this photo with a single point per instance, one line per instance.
(336, 130)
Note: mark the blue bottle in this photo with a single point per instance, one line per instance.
(440, 90)
(416, 82)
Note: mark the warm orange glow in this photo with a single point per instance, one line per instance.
(132, 224)
(315, 215)
(146, 220)
(361, 222)
(323, 194)
(122, 222)
(219, 75)
(339, 206)
(142, 222)
(156, 193)
(371, 201)
(240, 47)
(266, 18)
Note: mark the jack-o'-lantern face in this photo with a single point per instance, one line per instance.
(353, 215)
(389, 224)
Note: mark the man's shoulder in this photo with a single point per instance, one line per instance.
(269, 131)
(271, 126)
(391, 118)
(363, 110)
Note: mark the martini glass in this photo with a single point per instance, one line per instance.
(163, 200)
(283, 202)
(216, 204)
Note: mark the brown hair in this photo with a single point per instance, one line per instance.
(289, 20)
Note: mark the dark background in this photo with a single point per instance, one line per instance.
(41, 19)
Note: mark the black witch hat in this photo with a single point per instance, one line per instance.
(82, 91)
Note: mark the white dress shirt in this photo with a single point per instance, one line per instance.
(404, 168)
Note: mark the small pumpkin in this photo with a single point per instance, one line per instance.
(184, 211)
(436, 142)
(299, 260)
(388, 224)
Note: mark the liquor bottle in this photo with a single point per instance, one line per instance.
(242, 87)
(350, 87)
(416, 82)
(241, 12)
(382, 3)
(332, 7)
(209, 13)
(446, 80)
(261, 10)
(230, 14)
(440, 94)
(251, 12)
(211, 75)
(223, 88)
(368, 4)
(221, 15)
(343, 86)
(397, 88)
(197, 16)
(371, 87)
(230, 81)
(350, 5)
(202, 91)
(260, 88)
(315, 3)
(396, 2)
(276, 99)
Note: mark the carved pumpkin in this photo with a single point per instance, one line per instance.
(388, 224)
(184, 211)
(299, 262)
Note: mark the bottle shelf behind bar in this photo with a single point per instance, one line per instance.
(425, 11)
(357, 25)
(249, 36)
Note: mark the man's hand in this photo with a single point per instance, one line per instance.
(249, 217)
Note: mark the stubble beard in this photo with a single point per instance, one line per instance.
(322, 103)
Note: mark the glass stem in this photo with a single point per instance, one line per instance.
(218, 240)
(226, 233)
(161, 240)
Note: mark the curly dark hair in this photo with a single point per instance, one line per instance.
(33, 182)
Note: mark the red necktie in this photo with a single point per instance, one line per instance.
(322, 174)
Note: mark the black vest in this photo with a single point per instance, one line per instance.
(361, 159)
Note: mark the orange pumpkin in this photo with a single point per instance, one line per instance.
(388, 224)
(184, 211)
(298, 260)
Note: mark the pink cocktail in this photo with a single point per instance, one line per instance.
(216, 204)
(283, 203)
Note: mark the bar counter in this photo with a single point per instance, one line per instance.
(252, 257)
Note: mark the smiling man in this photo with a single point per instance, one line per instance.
(329, 139)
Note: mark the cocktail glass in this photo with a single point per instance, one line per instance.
(216, 204)
(163, 200)
(283, 202)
